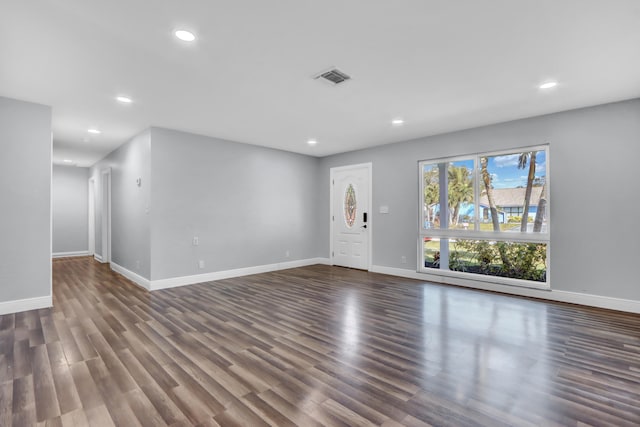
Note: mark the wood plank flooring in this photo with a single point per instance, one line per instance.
(312, 346)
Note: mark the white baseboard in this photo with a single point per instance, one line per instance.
(600, 301)
(631, 306)
(134, 277)
(69, 254)
(97, 257)
(227, 274)
(27, 304)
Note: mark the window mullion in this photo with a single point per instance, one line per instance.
(476, 194)
(443, 180)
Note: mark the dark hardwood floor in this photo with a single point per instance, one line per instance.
(312, 346)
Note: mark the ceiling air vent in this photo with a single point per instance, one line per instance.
(334, 76)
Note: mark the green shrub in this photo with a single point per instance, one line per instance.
(525, 261)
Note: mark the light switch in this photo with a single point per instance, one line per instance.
(384, 209)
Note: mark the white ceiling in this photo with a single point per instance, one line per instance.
(440, 65)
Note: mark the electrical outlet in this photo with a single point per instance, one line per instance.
(138, 265)
(286, 254)
(403, 259)
(201, 263)
(196, 241)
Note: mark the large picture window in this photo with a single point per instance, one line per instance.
(487, 214)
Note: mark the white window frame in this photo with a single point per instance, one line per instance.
(477, 234)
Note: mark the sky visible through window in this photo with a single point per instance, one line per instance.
(505, 173)
(504, 169)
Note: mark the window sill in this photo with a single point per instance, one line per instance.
(470, 278)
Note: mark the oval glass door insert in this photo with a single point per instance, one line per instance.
(350, 206)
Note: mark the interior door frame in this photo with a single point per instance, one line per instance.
(92, 216)
(332, 172)
(106, 215)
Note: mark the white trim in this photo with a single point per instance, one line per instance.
(508, 236)
(331, 218)
(91, 225)
(238, 272)
(16, 306)
(70, 254)
(440, 276)
(332, 171)
(632, 306)
(105, 175)
(134, 277)
(50, 298)
(98, 258)
(370, 210)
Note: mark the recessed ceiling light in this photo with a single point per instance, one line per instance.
(94, 131)
(312, 142)
(548, 85)
(185, 36)
(397, 122)
(124, 99)
(68, 161)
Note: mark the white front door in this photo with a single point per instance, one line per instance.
(351, 216)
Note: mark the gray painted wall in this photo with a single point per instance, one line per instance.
(594, 154)
(25, 191)
(247, 205)
(69, 202)
(130, 204)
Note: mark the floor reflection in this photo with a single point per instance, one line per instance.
(480, 345)
(350, 325)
